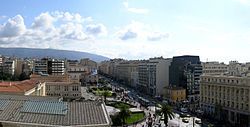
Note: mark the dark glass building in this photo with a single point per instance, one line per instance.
(185, 72)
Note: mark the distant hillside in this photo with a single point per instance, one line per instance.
(54, 53)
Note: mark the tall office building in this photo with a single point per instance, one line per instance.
(153, 76)
(185, 72)
(49, 66)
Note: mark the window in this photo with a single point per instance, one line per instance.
(48, 88)
(75, 88)
(66, 88)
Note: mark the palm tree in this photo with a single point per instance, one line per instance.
(105, 94)
(124, 112)
(167, 112)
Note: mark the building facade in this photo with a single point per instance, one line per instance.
(175, 94)
(214, 68)
(153, 76)
(127, 72)
(49, 66)
(227, 97)
(185, 72)
(67, 90)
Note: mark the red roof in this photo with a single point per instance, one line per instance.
(17, 86)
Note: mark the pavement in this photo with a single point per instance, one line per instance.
(86, 95)
(175, 122)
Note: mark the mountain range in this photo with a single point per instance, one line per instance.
(53, 53)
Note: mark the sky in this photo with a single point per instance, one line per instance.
(216, 30)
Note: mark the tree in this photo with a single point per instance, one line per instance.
(105, 94)
(23, 76)
(167, 112)
(124, 113)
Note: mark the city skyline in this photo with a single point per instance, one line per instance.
(214, 30)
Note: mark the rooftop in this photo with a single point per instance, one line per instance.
(18, 86)
(61, 83)
(53, 113)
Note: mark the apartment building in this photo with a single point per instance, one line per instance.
(153, 76)
(109, 68)
(63, 89)
(127, 72)
(238, 69)
(56, 67)
(75, 72)
(103, 67)
(227, 97)
(49, 66)
(41, 66)
(214, 68)
(8, 67)
(89, 64)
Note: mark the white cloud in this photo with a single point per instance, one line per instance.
(128, 35)
(44, 20)
(50, 29)
(73, 31)
(140, 30)
(156, 36)
(96, 29)
(135, 10)
(13, 27)
(3, 17)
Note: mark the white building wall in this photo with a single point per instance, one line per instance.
(162, 75)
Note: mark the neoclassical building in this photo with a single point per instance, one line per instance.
(228, 95)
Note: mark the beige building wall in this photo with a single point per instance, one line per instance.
(175, 94)
(75, 72)
(126, 72)
(39, 90)
(230, 92)
(214, 68)
(63, 89)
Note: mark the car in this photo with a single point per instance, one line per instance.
(184, 110)
(185, 120)
(184, 115)
(198, 121)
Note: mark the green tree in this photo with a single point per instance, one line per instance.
(105, 94)
(23, 76)
(124, 113)
(167, 112)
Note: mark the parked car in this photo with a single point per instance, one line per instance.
(184, 110)
(198, 121)
(185, 120)
(184, 115)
